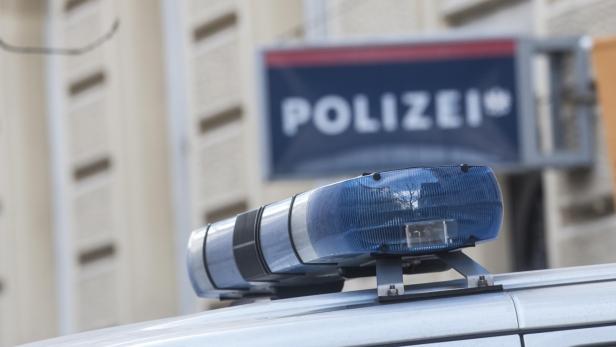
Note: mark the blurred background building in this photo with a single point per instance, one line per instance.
(108, 159)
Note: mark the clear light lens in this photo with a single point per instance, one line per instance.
(220, 258)
(299, 228)
(196, 265)
(430, 233)
(274, 236)
(375, 214)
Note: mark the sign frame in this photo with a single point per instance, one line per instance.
(532, 156)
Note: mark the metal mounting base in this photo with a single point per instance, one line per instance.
(390, 284)
(475, 274)
(440, 294)
(389, 281)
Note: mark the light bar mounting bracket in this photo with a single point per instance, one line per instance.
(390, 284)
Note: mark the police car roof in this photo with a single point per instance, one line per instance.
(532, 302)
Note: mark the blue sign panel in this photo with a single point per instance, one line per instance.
(352, 109)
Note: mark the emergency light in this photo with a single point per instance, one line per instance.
(322, 236)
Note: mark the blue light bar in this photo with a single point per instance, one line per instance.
(307, 238)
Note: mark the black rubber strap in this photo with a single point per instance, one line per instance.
(207, 271)
(246, 249)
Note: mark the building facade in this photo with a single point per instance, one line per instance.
(108, 159)
(112, 199)
(26, 257)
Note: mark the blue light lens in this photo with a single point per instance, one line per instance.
(404, 212)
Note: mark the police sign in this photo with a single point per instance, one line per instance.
(346, 109)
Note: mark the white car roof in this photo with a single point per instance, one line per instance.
(531, 301)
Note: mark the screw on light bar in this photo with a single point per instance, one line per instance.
(317, 238)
